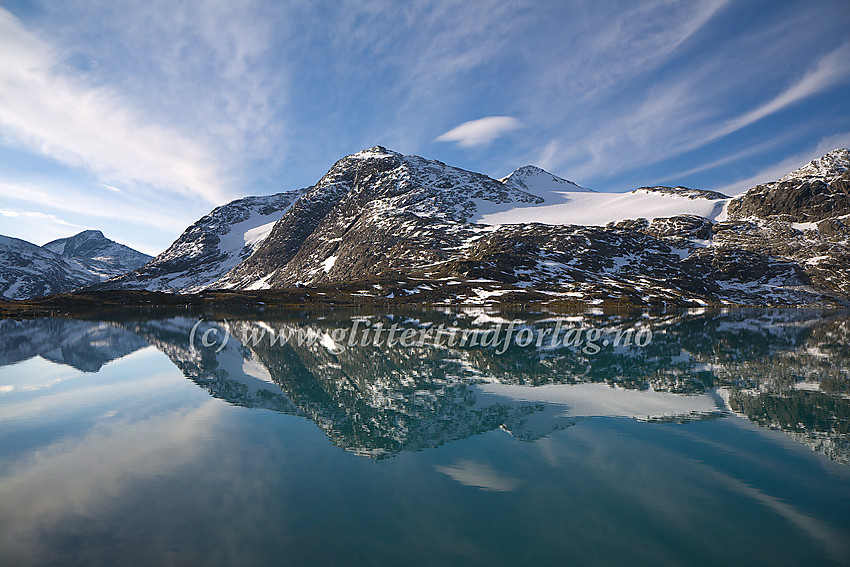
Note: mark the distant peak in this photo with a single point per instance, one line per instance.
(533, 179)
(830, 164)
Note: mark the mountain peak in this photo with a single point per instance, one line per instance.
(832, 164)
(374, 152)
(89, 234)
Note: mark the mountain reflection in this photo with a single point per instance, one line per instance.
(784, 370)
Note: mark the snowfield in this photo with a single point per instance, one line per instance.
(566, 203)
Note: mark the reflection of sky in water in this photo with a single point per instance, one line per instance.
(135, 464)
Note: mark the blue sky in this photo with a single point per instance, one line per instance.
(137, 118)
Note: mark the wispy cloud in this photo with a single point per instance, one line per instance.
(684, 115)
(481, 131)
(829, 71)
(39, 216)
(62, 117)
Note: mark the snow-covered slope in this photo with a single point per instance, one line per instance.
(98, 254)
(27, 270)
(211, 247)
(576, 205)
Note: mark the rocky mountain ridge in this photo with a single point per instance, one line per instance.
(99, 254)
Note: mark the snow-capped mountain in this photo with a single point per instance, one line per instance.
(211, 247)
(540, 182)
(99, 254)
(28, 270)
(381, 224)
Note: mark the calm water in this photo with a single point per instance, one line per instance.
(707, 439)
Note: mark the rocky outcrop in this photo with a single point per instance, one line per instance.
(817, 191)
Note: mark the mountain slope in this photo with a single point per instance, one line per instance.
(814, 192)
(211, 247)
(346, 225)
(378, 215)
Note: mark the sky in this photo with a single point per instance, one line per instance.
(137, 118)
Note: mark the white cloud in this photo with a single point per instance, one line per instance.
(481, 131)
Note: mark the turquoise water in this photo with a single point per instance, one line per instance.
(722, 441)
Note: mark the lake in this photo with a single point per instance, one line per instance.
(458, 437)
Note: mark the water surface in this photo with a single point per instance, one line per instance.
(723, 440)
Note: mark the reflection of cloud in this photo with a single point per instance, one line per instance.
(84, 475)
(479, 475)
(820, 533)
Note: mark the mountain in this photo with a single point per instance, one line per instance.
(383, 225)
(211, 247)
(28, 270)
(99, 254)
(540, 182)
